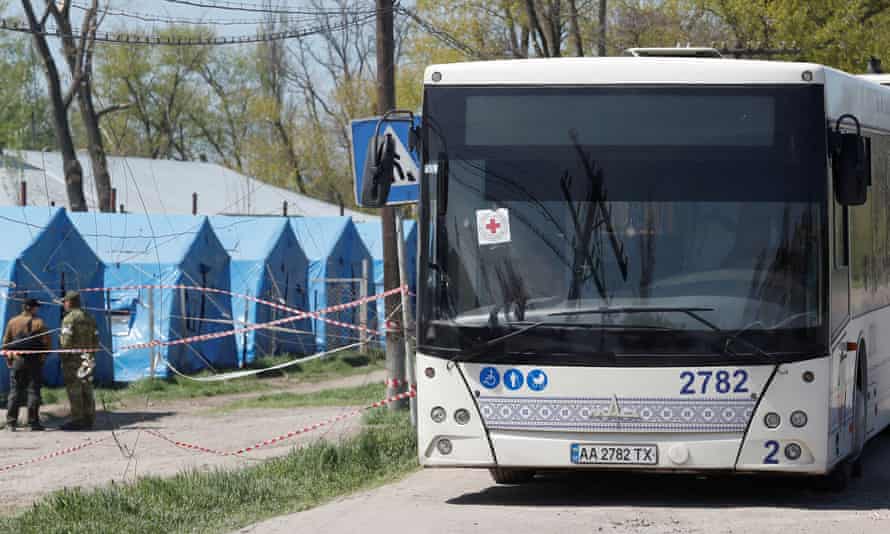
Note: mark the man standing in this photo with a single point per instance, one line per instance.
(25, 332)
(78, 332)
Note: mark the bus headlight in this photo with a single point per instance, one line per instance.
(462, 416)
(799, 419)
(438, 414)
(772, 420)
(793, 451)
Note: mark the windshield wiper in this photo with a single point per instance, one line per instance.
(689, 311)
(479, 350)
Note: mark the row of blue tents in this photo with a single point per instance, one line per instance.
(300, 263)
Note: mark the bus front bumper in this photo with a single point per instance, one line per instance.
(511, 429)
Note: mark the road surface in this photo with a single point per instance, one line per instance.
(464, 501)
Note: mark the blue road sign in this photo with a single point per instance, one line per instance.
(489, 377)
(513, 379)
(405, 186)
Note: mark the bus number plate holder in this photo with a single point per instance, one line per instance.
(614, 454)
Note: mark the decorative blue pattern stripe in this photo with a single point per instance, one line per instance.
(617, 414)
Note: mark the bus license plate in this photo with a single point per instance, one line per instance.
(592, 453)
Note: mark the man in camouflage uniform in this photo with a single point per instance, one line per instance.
(25, 332)
(78, 332)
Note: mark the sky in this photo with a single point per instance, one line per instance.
(165, 9)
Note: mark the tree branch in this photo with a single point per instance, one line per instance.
(72, 91)
(113, 109)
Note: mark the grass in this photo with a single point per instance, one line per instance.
(351, 396)
(335, 366)
(221, 501)
(338, 365)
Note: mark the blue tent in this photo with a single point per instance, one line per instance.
(336, 255)
(266, 263)
(162, 250)
(42, 256)
(372, 237)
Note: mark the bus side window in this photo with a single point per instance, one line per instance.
(840, 263)
(841, 236)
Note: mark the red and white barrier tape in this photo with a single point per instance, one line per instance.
(56, 454)
(271, 304)
(395, 383)
(283, 437)
(216, 335)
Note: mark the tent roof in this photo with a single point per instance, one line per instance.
(137, 238)
(319, 235)
(370, 233)
(372, 237)
(158, 186)
(20, 226)
(248, 238)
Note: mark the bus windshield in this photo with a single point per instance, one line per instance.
(665, 198)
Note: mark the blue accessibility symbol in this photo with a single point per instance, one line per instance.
(489, 377)
(513, 379)
(537, 380)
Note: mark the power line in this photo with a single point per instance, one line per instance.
(15, 25)
(229, 5)
(151, 17)
(440, 34)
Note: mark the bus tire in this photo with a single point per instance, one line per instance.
(838, 479)
(511, 476)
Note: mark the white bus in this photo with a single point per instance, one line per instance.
(883, 79)
(653, 264)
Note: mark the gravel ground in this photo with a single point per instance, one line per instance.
(458, 501)
(137, 453)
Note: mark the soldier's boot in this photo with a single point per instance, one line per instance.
(34, 418)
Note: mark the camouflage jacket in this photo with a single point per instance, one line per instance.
(78, 331)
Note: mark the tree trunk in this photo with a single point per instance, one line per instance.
(95, 146)
(537, 34)
(59, 103)
(575, 29)
(601, 44)
(79, 56)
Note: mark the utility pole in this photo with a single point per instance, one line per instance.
(386, 100)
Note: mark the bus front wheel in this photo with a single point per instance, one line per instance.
(838, 479)
(511, 476)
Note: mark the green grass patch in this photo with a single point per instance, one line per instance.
(351, 396)
(160, 389)
(342, 364)
(221, 501)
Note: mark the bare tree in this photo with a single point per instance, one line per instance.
(273, 85)
(575, 29)
(79, 52)
(60, 100)
(603, 22)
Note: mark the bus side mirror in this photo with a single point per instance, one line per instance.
(377, 174)
(850, 165)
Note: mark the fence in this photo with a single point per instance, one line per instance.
(342, 291)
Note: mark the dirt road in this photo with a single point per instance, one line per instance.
(138, 454)
(457, 501)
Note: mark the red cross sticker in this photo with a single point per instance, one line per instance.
(493, 226)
